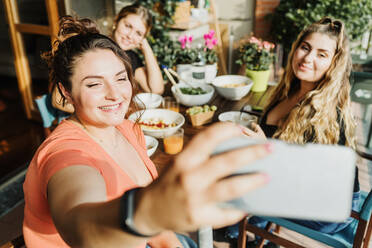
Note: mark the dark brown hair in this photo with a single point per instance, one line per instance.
(137, 10)
(75, 38)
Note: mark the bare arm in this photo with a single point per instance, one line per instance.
(149, 77)
(80, 211)
(182, 199)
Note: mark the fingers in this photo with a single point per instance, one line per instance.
(248, 132)
(236, 186)
(202, 145)
(218, 217)
(225, 164)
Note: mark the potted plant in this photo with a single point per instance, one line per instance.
(210, 56)
(205, 54)
(185, 55)
(257, 56)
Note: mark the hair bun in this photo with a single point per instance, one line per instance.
(70, 26)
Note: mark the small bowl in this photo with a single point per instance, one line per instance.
(241, 118)
(193, 100)
(233, 93)
(148, 100)
(157, 115)
(151, 144)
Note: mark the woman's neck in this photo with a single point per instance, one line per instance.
(305, 87)
(99, 133)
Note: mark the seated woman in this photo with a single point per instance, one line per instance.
(311, 104)
(91, 183)
(131, 26)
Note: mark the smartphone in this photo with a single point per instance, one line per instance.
(310, 182)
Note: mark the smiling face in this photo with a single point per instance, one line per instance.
(130, 32)
(101, 91)
(313, 57)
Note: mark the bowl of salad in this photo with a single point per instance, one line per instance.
(197, 94)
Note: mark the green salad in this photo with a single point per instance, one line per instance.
(192, 91)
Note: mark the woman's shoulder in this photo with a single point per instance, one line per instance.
(66, 136)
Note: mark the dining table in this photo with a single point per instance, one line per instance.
(253, 103)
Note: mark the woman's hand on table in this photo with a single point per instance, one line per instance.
(254, 132)
(185, 196)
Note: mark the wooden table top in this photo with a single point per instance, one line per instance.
(255, 99)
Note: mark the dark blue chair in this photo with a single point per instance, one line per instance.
(48, 113)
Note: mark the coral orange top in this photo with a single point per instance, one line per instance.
(70, 145)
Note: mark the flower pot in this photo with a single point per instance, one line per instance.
(184, 70)
(259, 78)
(210, 72)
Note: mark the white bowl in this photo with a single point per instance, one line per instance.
(156, 115)
(238, 117)
(151, 144)
(233, 93)
(193, 100)
(148, 100)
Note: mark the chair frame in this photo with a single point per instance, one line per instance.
(362, 235)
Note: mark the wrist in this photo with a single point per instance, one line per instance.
(133, 221)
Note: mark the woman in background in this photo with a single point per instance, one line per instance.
(131, 26)
(311, 104)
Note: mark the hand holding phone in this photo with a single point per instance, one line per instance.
(309, 181)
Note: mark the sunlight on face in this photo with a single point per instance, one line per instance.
(101, 91)
(130, 32)
(313, 57)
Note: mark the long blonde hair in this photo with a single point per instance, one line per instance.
(317, 118)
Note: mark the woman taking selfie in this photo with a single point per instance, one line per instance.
(311, 104)
(131, 26)
(91, 183)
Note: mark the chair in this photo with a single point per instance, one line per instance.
(48, 113)
(355, 235)
(361, 92)
(15, 243)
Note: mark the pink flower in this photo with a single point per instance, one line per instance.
(185, 41)
(209, 35)
(254, 40)
(210, 43)
(267, 45)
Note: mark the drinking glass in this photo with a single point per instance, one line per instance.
(171, 104)
(173, 143)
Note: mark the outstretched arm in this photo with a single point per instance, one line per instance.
(182, 199)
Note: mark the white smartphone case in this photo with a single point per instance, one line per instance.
(311, 181)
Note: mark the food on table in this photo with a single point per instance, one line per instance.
(148, 147)
(200, 109)
(192, 91)
(155, 124)
(234, 85)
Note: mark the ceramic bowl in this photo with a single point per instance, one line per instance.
(151, 144)
(148, 100)
(193, 100)
(238, 117)
(156, 117)
(232, 87)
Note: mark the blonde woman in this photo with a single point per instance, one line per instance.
(311, 104)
